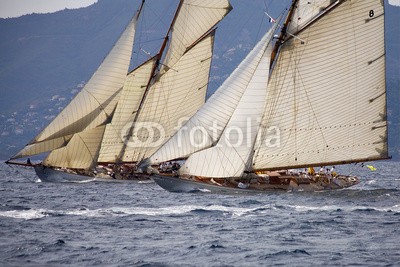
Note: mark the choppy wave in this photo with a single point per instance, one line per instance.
(30, 214)
(118, 224)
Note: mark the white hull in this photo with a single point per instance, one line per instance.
(182, 185)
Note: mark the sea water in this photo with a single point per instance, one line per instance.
(134, 224)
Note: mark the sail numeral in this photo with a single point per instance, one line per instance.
(371, 13)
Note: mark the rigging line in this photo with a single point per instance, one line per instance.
(274, 58)
(312, 107)
(297, 70)
(266, 5)
(273, 111)
(355, 104)
(295, 107)
(222, 156)
(262, 21)
(164, 94)
(273, 108)
(88, 149)
(200, 6)
(153, 77)
(334, 4)
(189, 93)
(149, 41)
(17, 171)
(220, 148)
(100, 105)
(244, 91)
(161, 16)
(146, 25)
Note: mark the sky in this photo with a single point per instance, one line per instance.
(16, 8)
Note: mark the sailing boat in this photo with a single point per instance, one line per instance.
(159, 95)
(313, 97)
(88, 130)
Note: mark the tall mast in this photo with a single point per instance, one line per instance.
(140, 9)
(150, 82)
(283, 31)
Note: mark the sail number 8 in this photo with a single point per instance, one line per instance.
(371, 13)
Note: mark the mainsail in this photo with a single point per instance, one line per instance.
(82, 120)
(172, 94)
(128, 105)
(325, 100)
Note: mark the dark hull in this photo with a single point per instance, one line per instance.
(183, 185)
(57, 176)
(51, 175)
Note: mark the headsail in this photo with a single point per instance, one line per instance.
(327, 100)
(231, 156)
(80, 152)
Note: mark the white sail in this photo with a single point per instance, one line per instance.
(305, 12)
(42, 147)
(194, 19)
(128, 105)
(177, 94)
(205, 127)
(230, 157)
(95, 103)
(80, 153)
(327, 100)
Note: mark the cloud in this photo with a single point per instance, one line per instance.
(394, 2)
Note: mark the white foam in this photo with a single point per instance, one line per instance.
(24, 214)
(177, 210)
(395, 208)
